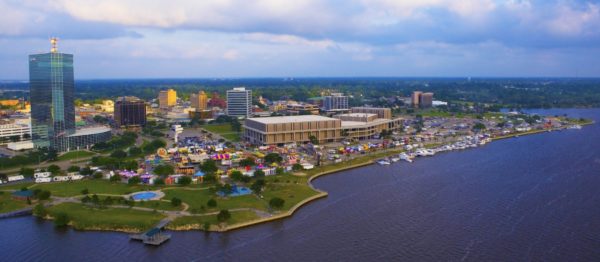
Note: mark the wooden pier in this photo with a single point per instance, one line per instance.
(154, 236)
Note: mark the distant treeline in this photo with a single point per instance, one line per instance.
(510, 92)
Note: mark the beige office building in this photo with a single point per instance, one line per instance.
(361, 126)
(199, 101)
(291, 129)
(167, 98)
(381, 112)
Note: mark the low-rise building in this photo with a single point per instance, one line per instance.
(291, 129)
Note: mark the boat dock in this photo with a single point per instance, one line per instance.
(155, 236)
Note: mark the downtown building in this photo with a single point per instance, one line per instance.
(167, 98)
(239, 102)
(422, 100)
(336, 102)
(130, 111)
(52, 90)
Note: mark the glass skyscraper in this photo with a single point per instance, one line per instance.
(52, 95)
(52, 91)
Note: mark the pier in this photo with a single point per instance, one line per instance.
(155, 236)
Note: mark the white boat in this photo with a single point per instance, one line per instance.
(383, 162)
(405, 157)
(395, 159)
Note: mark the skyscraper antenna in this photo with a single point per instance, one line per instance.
(54, 43)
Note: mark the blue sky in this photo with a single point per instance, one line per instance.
(280, 38)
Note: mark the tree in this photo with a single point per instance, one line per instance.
(184, 180)
(478, 127)
(206, 226)
(85, 191)
(135, 151)
(86, 171)
(209, 166)
(223, 215)
(164, 170)
(257, 186)
(313, 140)
(297, 167)
(27, 172)
(159, 181)
(176, 202)
(259, 173)
(276, 203)
(211, 203)
(61, 219)
(43, 195)
(247, 162)
(73, 169)
(54, 169)
(119, 154)
(15, 138)
(134, 180)
(115, 178)
(236, 175)
(273, 158)
(279, 171)
(39, 210)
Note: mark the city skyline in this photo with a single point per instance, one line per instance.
(213, 39)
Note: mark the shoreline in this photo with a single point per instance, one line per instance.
(362, 161)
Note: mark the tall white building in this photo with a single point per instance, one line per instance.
(239, 102)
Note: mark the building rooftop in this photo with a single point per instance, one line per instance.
(356, 124)
(91, 130)
(358, 114)
(290, 119)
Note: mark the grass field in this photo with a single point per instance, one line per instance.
(75, 155)
(224, 130)
(83, 217)
(197, 199)
(7, 204)
(16, 186)
(291, 193)
(159, 205)
(198, 221)
(74, 188)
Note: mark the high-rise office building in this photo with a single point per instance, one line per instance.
(52, 88)
(416, 98)
(239, 102)
(130, 111)
(199, 101)
(336, 102)
(426, 100)
(167, 98)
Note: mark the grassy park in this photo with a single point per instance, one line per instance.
(7, 204)
(75, 155)
(119, 219)
(224, 130)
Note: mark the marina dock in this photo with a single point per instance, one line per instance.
(155, 236)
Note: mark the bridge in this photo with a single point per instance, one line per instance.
(155, 236)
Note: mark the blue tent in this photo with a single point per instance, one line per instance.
(199, 174)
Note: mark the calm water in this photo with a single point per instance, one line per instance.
(527, 198)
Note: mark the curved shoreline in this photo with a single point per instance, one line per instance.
(366, 160)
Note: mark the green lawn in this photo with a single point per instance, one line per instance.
(7, 204)
(75, 155)
(159, 205)
(291, 193)
(16, 186)
(83, 217)
(74, 188)
(198, 221)
(224, 130)
(197, 199)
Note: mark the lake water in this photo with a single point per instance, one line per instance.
(529, 198)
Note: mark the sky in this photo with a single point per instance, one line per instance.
(305, 38)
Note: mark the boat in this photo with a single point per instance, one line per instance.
(383, 162)
(405, 157)
(395, 159)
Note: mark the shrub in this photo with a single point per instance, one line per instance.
(176, 202)
(276, 203)
(223, 215)
(61, 219)
(211, 203)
